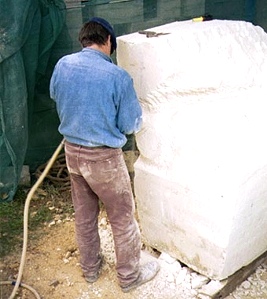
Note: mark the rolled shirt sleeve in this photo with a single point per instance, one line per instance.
(129, 118)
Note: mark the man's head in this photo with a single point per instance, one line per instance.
(97, 31)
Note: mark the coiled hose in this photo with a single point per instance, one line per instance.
(18, 283)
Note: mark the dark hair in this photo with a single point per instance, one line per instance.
(93, 33)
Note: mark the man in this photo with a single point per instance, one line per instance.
(97, 106)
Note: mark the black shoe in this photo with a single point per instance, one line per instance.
(94, 276)
(147, 272)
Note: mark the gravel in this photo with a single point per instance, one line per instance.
(175, 280)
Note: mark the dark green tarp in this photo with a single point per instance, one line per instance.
(28, 30)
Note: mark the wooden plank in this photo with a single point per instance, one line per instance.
(221, 289)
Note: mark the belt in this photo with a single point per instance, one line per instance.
(90, 147)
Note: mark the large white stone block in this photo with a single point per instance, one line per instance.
(201, 178)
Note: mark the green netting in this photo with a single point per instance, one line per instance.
(35, 34)
(28, 30)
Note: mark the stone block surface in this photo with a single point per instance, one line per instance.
(201, 177)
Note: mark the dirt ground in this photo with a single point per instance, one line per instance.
(52, 267)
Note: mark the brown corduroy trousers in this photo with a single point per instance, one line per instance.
(101, 174)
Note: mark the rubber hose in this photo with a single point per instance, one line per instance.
(25, 225)
(8, 282)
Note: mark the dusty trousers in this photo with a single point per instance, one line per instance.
(101, 174)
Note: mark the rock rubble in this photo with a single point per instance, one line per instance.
(175, 280)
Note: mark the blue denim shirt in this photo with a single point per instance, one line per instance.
(96, 101)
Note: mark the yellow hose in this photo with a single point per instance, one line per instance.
(8, 282)
(25, 225)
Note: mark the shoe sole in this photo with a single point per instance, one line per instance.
(94, 278)
(141, 281)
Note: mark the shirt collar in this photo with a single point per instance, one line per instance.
(98, 53)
